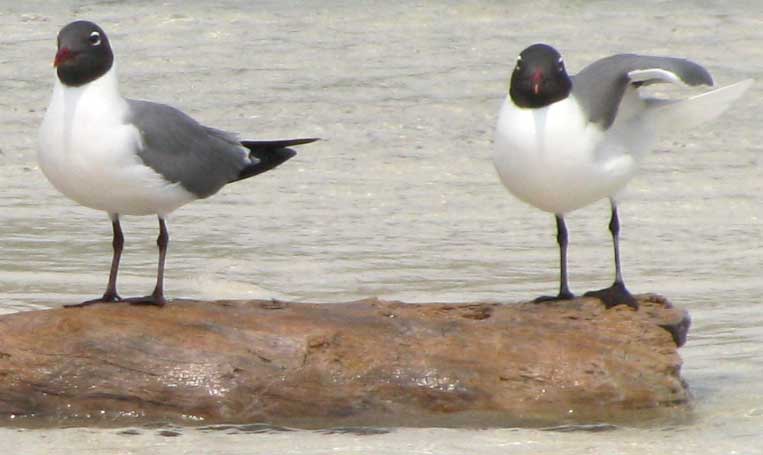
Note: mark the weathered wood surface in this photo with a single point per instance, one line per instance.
(362, 363)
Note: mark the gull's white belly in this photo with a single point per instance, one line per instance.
(553, 159)
(88, 154)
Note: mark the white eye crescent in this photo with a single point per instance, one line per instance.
(94, 39)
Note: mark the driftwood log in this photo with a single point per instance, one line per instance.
(364, 363)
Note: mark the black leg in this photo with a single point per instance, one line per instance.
(157, 297)
(162, 242)
(614, 229)
(561, 239)
(117, 244)
(617, 294)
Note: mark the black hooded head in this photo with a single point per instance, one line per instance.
(539, 78)
(84, 53)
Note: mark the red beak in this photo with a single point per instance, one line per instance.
(63, 55)
(536, 79)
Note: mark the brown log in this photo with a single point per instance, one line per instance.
(362, 363)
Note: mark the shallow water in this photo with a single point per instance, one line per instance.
(400, 199)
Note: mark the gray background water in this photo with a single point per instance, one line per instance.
(400, 200)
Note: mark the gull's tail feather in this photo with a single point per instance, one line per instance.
(697, 109)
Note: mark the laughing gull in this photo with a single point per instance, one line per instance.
(563, 142)
(131, 157)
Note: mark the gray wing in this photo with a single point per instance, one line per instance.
(176, 146)
(600, 86)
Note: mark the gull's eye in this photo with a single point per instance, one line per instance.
(94, 38)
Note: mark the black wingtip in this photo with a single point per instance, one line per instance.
(304, 140)
(279, 143)
(694, 74)
(270, 154)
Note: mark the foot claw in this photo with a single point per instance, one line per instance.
(107, 298)
(552, 298)
(156, 300)
(614, 295)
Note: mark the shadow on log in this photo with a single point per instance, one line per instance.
(364, 363)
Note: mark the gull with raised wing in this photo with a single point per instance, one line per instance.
(563, 142)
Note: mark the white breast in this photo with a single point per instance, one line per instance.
(88, 153)
(555, 160)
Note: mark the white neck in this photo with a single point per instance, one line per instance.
(92, 106)
(105, 90)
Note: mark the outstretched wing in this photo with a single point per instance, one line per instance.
(182, 150)
(600, 86)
